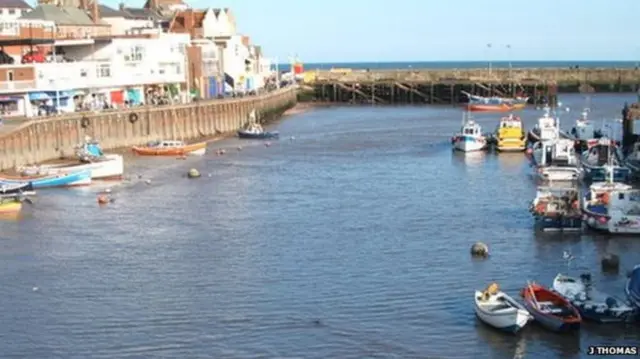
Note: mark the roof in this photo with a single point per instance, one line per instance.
(162, 3)
(59, 15)
(143, 14)
(181, 21)
(106, 11)
(14, 4)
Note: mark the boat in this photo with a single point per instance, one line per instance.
(15, 188)
(494, 104)
(632, 161)
(510, 136)
(470, 138)
(555, 160)
(557, 209)
(504, 107)
(547, 128)
(584, 133)
(550, 309)
(72, 179)
(603, 159)
(499, 310)
(591, 303)
(612, 207)
(170, 148)
(254, 131)
(632, 289)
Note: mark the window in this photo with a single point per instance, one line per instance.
(237, 50)
(8, 28)
(12, 11)
(136, 54)
(103, 70)
(9, 75)
(178, 69)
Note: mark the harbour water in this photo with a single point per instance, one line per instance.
(350, 240)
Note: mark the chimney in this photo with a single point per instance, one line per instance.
(121, 6)
(95, 12)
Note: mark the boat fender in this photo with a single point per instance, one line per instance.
(84, 122)
(133, 117)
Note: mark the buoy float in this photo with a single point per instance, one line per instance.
(103, 199)
(479, 249)
(193, 173)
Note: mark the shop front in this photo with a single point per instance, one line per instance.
(13, 105)
(134, 96)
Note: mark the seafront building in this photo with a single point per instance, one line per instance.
(73, 55)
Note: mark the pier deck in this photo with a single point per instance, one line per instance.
(446, 86)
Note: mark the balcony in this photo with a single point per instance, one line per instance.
(74, 32)
(16, 86)
(25, 31)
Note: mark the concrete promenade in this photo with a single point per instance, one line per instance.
(45, 139)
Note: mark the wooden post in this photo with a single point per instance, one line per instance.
(335, 93)
(353, 93)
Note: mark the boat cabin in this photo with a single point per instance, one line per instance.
(560, 153)
(583, 130)
(602, 152)
(510, 121)
(471, 128)
(166, 144)
(548, 128)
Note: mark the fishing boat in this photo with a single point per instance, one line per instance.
(550, 309)
(547, 128)
(15, 188)
(591, 303)
(72, 179)
(494, 104)
(499, 310)
(557, 209)
(510, 136)
(603, 159)
(555, 160)
(254, 131)
(632, 161)
(632, 289)
(470, 137)
(170, 148)
(584, 133)
(612, 207)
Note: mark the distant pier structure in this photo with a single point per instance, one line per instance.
(447, 86)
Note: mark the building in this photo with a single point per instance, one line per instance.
(13, 9)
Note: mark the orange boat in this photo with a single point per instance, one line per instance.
(171, 148)
(503, 107)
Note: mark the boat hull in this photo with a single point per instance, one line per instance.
(111, 168)
(469, 143)
(9, 207)
(599, 174)
(79, 178)
(171, 151)
(510, 145)
(550, 320)
(257, 136)
(494, 108)
(558, 223)
(510, 320)
(559, 174)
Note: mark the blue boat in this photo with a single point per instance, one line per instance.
(255, 132)
(633, 287)
(603, 160)
(556, 209)
(79, 178)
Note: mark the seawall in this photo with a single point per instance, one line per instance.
(45, 139)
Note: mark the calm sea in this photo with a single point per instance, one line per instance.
(349, 241)
(464, 65)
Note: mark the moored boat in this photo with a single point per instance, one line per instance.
(612, 207)
(632, 289)
(72, 179)
(494, 104)
(547, 128)
(510, 136)
(557, 209)
(254, 131)
(170, 148)
(499, 310)
(555, 160)
(15, 188)
(550, 309)
(602, 160)
(584, 133)
(470, 138)
(591, 303)
(503, 107)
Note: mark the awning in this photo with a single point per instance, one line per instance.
(9, 99)
(38, 96)
(60, 94)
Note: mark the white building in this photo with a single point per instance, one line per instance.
(13, 9)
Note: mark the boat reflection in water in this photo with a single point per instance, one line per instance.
(504, 346)
(511, 161)
(470, 159)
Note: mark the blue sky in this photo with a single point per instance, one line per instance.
(429, 30)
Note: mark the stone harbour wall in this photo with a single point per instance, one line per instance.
(51, 138)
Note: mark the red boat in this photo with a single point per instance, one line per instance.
(503, 107)
(550, 309)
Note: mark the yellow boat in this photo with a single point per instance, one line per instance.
(9, 206)
(510, 135)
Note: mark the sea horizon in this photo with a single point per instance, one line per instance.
(501, 64)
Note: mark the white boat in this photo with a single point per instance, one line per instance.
(499, 310)
(591, 303)
(584, 132)
(546, 129)
(470, 138)
(602, 160)
(632, 161)
(556, 160)
(612, 207)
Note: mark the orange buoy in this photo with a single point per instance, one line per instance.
(102, 199)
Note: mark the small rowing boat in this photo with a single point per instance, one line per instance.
(171, 148)
(550, 309)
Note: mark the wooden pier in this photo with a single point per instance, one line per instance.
(447, 86)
